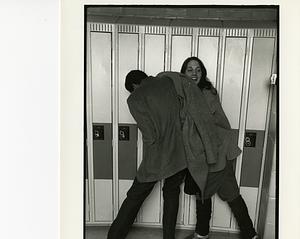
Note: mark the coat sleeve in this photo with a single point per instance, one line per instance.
(217, 110)
(230, 145)
(140, 113)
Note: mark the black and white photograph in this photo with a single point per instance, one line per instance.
(150, 119)
(181, 121)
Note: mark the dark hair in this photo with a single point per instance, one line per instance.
(204, 83)
(134, 77)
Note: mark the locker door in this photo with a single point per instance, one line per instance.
(207, 52)
(101, 167)
(127, 152)
(208, 49)
(261, 69)
(151, 210)
(86, 182)
(181, 48)
(234, 62)
(130, 150)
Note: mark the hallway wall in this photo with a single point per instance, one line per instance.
(267, 223)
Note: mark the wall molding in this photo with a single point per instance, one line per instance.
(201, 31)
(236, 32)
(155, 30)
(128, 28)
(209, 31)
(100, 27)
(182, 31)
(265, 32)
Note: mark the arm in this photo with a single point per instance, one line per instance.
(217, 109)
(139, 112)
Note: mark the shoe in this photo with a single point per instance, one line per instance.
(195, 235)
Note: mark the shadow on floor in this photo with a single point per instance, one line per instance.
(100, 232)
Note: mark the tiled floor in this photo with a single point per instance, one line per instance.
(99, 232)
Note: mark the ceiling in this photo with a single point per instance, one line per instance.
(197, 15)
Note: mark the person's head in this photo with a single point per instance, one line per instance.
(134, 79)
(194, 68)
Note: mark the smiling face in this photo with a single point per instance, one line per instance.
(193, 70)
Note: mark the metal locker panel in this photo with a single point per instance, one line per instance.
(233, 79)
(102, 151)
(86, 168)
(181, 49)
(252, 157)
(261, 69)
(154, 63)
(208, 54)
(150, 211)
(154, 54)
(87, 207)
(249, 194)
(127, 151)
(273, 119)
(101, 76)
(192, 211)
(271, 211)
(128, 60)
(103, 200)
(181, 212)
(124, 186)
(221, 213)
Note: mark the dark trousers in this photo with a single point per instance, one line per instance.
(203, 212)
(239, 210)
(134, 200)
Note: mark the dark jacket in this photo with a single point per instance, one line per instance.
(207, 134)
(155, 107)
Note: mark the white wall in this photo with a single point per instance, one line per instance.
(29, 127)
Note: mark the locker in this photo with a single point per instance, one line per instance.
(127, 62)
(181, 49)
(208, 48)
(100, 175)
(239, 64)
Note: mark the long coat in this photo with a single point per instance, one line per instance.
(182, 126)
(208, 138)
(155, 107)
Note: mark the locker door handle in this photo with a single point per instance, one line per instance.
(98, 132)
(124, 133)
(273, 79)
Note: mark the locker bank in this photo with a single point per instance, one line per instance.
(238, 47)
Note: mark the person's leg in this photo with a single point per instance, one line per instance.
(171, 191)
(203, 209)
(229, 191)
(203, 213)
(240, 212)
(129, 209)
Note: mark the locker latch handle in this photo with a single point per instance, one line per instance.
(273, 79)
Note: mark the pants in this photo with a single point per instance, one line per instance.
(134, 200)
(223, 183)
(229, 192)
(239, 210)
